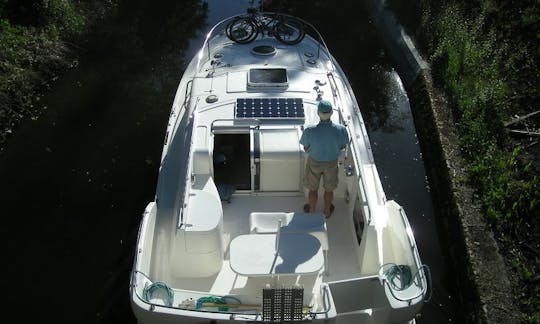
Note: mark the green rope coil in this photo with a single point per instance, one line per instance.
(216, 300)
(399, 276)
(159, 290)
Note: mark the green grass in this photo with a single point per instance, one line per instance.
(489, 77)
(468, 62)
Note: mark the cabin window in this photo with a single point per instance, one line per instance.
(231, 158)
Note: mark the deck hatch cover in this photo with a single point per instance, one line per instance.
(270, 108)
(267, 78)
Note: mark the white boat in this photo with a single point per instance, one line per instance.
(226, 238)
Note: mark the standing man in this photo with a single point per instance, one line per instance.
(323, 143)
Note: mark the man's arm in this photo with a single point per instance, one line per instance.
(305, 139)
(345, 138)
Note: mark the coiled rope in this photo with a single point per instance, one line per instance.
(399, 276)
(216, 302)
(158, 290)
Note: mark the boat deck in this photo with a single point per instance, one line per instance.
(343, 263)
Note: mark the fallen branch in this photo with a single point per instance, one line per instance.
(531, 144)
(518, 119)
(524, 132)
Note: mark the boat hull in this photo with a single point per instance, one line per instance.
(226, 239)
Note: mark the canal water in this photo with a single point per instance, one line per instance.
(74, 181)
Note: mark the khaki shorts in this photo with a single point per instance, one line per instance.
(314, 170)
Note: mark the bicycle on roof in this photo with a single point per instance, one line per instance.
(244, 29)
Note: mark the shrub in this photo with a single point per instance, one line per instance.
(467, 59)
(29, 59)
(483, 55)
(61, 17)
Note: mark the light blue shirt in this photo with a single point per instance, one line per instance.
(324, 141)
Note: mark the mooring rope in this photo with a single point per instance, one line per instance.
(399, 276)
(216, 301)
(150, 290)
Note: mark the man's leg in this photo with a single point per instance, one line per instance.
(312, 199)
(328, 197)
(312, 179)
(330, 184)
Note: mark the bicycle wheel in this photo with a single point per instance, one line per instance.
(242, 30)
(289, 31)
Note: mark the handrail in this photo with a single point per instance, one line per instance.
(206, 42)
(407, 227)
(241, 122)
(139, 245)
(421, 268)
(326, 301)
(187, 174)
(410, 236)
(134, 283)
(354, 150)
(248, 314)
(319, 39)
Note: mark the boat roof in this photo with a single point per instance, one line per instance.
(260, 79)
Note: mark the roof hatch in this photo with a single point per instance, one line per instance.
(268, 78)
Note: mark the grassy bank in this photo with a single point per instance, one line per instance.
(484, 55)
(38, 42)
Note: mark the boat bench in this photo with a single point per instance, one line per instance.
(310, 223)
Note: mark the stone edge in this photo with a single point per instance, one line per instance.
(483, 289)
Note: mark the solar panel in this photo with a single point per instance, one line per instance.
(270, 108)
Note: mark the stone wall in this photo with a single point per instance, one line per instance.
(482, 287)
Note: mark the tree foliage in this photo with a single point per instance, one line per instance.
(33, 51)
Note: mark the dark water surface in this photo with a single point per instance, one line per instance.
(75, 181)
(400, 164)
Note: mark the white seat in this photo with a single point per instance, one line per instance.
(311, 223)
(255, 255)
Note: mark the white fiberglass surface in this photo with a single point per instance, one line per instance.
(342, 253)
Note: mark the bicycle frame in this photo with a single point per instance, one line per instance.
(244, 29)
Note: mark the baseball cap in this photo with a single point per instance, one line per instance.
(324, 106)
